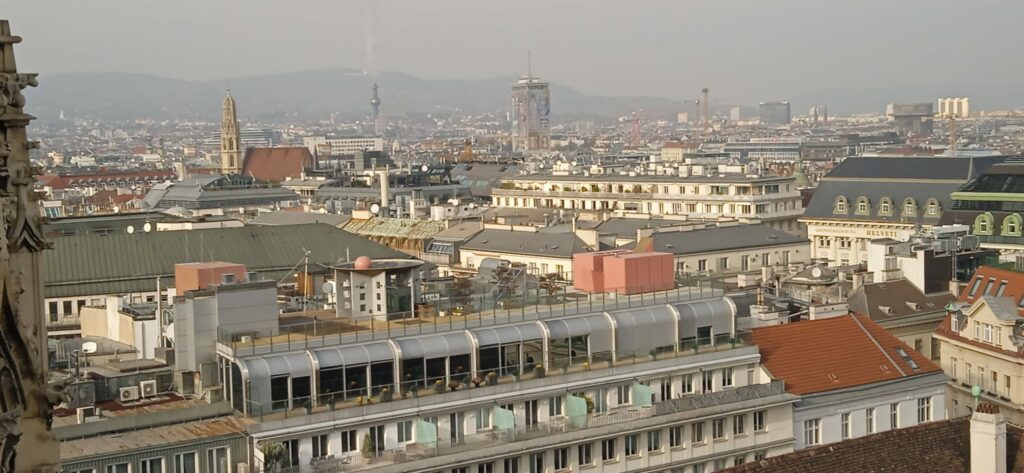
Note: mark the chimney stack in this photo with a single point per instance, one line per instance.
(988, 440)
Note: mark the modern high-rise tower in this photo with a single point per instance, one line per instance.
(230, 138)
(531, 110)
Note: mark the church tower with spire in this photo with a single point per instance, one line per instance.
(230, 139)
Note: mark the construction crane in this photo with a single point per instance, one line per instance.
(952, 134)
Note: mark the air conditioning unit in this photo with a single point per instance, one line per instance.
(245, 339)
(128, 394)
(148, 388)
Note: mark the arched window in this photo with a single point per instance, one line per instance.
(863, 205)
(841, 205)
(933, 208)
(909, 206)
(885, 206)
(1012, 225)
(983, 224)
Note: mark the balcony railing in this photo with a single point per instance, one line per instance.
(305, 333)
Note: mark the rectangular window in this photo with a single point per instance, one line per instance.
(537, 462)
(485, 467)
(348, 441)
(727, 377)
(760, 418)
(869, 420)
(718, 429)
(707, 382)
(632, 446)
(666, 389)
(119, 468)
(404, 431)
(845, 427)
(622, 393)
(511, 464)
(483, 418)
(739, 460)
(461, 469)
(758, 456)
(67, 308)
(723, 263)
(687, 384)
(719, 464)
(675, 436)
(187, 462)
(975, 286)
(217, 460)
(654, 441)
(555, 406)
(739, 424)
(152, 465)
(697, 432)
(698, 468)
(924, 409)
(561, 459)
(894, 415)
(812, 432)
(702, 265)
(583, 455)
(320, 446)
(608, 450)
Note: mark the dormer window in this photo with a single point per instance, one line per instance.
(863, 205)
(885, 206)
(1012, 225)
(983, 224)
(841, 205)
(933, 208)
(909, 207)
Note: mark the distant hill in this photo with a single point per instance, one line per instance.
(308, 95)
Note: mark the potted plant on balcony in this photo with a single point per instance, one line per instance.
(385, 395)
(538, 371)
(275, 456)
(368, 448)
(439, 386)
(492, 378)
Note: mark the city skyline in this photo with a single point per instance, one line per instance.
(665, 49)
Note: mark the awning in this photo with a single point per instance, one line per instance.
(353, 355)
(597, 326)
(259, 382)
(717, 313)
(639, 330)
(434, 345)
(507, 334)
(293, 364)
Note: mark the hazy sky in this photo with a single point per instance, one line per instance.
(745, 49)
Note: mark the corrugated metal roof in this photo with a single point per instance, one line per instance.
(123, 263)
(147, 438)
(395, 227)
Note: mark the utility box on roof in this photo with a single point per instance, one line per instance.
(198, 276)
(623, 272)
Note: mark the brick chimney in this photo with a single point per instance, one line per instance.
(988, 440)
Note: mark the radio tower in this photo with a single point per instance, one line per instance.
(636, 129)
(378, 122)
(706, 117)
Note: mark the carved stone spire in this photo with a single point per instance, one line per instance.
(230, 138)
(26, 400)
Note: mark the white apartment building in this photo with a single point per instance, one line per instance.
(343, 145)
(773, 200)
(670, 386)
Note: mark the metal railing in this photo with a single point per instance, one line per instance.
(417, 387)
(299, 333)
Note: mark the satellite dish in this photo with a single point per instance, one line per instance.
(89, 348)
(148, 227)
(424, 168)
(454, 202)
(130, 229)
(816, 272)
(375, 208)
(328, 287)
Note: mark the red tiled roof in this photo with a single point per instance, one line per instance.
(1014, 284)
(840, 352)
(276, 164)
(65, 181)
(942, 446)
